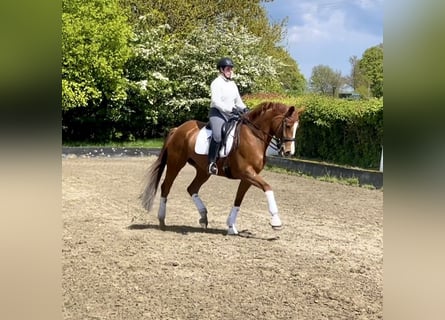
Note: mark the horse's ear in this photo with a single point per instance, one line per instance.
(290, 112)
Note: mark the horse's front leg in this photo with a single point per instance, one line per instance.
(231, 219)
(275, 220)
(259, 182)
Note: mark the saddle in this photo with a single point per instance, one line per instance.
(228, 126)
(227, 141)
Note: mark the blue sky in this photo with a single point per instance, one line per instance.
(328, 32)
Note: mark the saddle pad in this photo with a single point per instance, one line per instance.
(203, 142)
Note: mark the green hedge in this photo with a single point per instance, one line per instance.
(336, 130)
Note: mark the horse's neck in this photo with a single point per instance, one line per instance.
(262, 130)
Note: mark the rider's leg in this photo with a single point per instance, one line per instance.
(213, 153)
(216, 123)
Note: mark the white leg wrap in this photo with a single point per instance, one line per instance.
(275, 221)
(231, 219)
(273, 209)
(162, 208)
(199, 205)
(232, 230)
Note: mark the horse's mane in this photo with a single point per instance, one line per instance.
(257, 111)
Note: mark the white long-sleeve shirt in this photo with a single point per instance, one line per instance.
(225, 95)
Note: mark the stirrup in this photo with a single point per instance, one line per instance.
(213, 169)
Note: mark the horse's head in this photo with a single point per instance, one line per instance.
(279, 122)
(286, 130)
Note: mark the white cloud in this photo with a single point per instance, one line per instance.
(315, 20)
(329, 32)
(315, 28)
(369, 4)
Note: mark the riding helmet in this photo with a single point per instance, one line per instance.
(224, 62)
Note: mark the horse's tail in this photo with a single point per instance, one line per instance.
(153, 176)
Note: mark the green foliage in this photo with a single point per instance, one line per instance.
(94, 49)
(324, 80)
(291, 80)
(136, 70)
(336, 130)
(358, 79)
(371, 65)
(183, 16)
(242, 16)
(327, 178)
(345, 181)
(171, 76)
(342, 131)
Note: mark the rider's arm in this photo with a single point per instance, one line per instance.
(239, 102)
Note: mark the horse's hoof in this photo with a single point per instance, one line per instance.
(275, 222)
(203, 222)
(231, 231)
(162, 225)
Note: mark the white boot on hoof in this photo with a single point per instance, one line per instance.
(275, 222)
(232, 230)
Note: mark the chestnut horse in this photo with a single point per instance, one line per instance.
(254, 133)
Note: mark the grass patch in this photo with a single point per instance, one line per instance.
(345, 181)
(326, 178)
(271, 168)
(151, 143)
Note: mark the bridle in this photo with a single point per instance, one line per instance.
(276, 143)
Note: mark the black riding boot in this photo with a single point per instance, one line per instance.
(213, 153)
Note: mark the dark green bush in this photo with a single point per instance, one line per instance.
(340, 131)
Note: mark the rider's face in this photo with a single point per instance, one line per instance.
(228, 72)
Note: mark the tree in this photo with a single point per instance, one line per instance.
(371, 65)
(184, 16)
(358, 79)
(324, 80)
(292, 81)
(94, 49)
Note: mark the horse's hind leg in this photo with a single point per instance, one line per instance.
(193, 189)
(231, 219)
(173, 168)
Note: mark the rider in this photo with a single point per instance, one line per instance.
(225, 101)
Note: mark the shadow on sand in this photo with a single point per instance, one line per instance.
(184, 230)
(178, 229)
